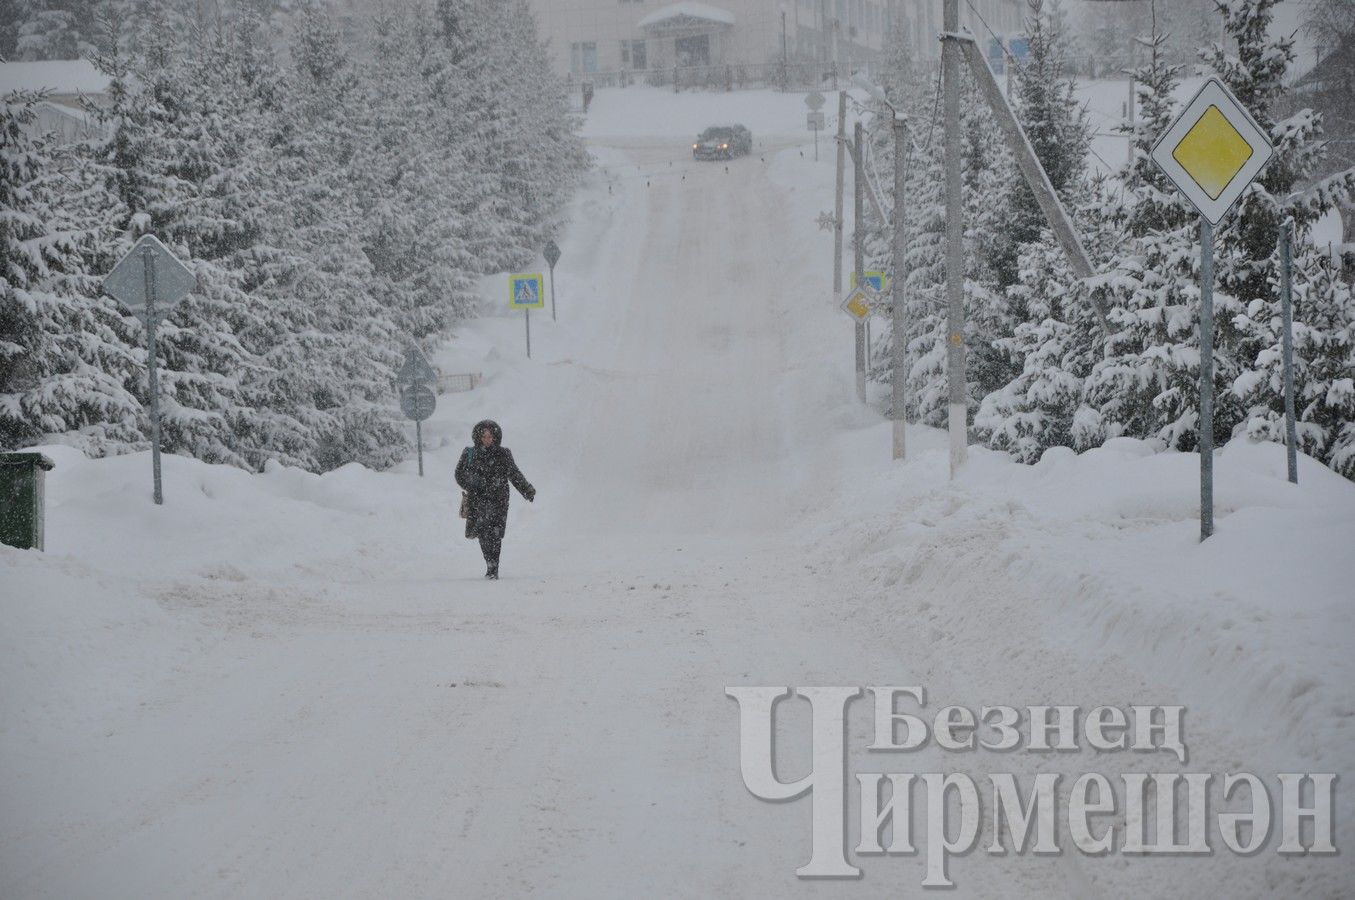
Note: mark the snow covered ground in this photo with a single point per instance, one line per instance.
(293, 685)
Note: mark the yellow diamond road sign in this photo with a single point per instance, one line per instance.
(1212, 151)
(858, 303)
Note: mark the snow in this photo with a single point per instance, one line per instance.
(289, 684)
(690, 10)
(65, 76)
(643, 111)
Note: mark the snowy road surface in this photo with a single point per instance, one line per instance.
(291, 686)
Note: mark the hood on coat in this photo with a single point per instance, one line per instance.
(494, 429)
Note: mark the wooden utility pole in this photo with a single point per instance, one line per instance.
(897, 401)
(957, 401)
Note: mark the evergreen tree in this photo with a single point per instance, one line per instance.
(66, 362)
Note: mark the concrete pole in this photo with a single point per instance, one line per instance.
(1291, 438)
(837, 204)
(957, 405)
(1206, 378)
(898, 401)
(859, 249)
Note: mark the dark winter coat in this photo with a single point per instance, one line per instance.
(484, 473)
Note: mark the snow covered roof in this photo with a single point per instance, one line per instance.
(58, 76)
(687, 10)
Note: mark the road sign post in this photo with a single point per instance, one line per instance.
(552, 254)
(524, 293)
(151, 281)
(417, 400)
(1212, 151)
(1291, 438)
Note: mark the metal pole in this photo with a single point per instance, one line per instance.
(898, 385)
(957, 412)
(527, 317)
(1206, 378)
(1131, 121)
(552, 293)
(418, 432)
(153, 378)
(859, 248)
(1291, 438)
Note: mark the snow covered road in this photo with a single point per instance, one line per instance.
(296, 686)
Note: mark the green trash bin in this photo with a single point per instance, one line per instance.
(22, 515)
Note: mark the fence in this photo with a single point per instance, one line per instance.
(458, 383)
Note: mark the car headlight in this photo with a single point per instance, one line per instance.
(696, 146)
(724, 146)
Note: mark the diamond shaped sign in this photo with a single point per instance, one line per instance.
(415, 370)
(1213, 150)
(858, 303)
(170, 279)
(815, 101)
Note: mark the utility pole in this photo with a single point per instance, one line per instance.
(958, 418)
(898, 403)
(859, 248)
(837, 207)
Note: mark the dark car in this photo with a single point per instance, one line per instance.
(723, 142)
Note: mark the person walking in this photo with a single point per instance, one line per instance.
(485, 470)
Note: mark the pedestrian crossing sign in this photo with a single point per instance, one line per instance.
(876, 281)
(524, 292)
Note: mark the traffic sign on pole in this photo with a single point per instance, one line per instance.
(524, 293)
(129, 284)
(815, 101)
(418, 402)
(859, 303)
(416, 369)
(876, 281)
(1212, 151)
(151, 281)
(552, 254)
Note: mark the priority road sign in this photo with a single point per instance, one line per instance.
(552, 253)
(859, 303)
(524, 292)
(1212, 151)
(150, 276)
(815, 101)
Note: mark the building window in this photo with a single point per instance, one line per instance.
(583, 57)
(633, 55)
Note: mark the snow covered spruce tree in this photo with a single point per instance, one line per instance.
(334, 211)
(1147, 385)
(66, 360)
(1324, 310)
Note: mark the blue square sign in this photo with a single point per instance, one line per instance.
(524, 292)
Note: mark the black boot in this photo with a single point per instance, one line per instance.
(492, 573)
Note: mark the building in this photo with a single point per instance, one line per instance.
(66, 85)
(622, 40)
